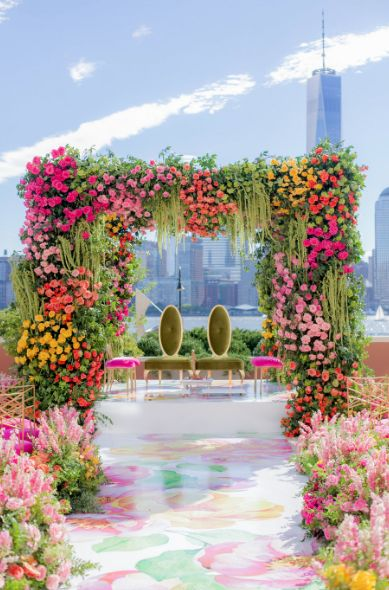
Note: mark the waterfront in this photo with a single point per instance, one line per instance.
(373, 326)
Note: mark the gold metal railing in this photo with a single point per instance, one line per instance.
(370, 393)
(17, 403)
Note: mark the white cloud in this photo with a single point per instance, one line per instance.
(142, 31)
(82, 69)
(5, 6)
(130, 122)
(343, 52)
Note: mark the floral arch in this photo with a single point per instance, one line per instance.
(86, 213)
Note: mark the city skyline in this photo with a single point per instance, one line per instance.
(210, 273)
(252, 87)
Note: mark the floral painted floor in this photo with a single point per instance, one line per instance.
(190, 513)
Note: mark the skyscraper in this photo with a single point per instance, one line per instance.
(6, 291)
(197, 274)
(381, 251)
(324, 104)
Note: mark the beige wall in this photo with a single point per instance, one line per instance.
(5, 361)
(378, 355)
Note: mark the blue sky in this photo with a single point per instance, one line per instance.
(218, 76)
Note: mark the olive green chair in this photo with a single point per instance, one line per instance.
(170, 340)
(219, 339)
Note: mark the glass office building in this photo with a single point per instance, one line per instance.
(324, 107)
(381, 251)
(6, 291)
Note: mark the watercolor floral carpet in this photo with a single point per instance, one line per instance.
(195, 513)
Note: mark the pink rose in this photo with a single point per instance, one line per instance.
(92, 179)
(52, 582)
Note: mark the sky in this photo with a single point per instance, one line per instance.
(217, 76)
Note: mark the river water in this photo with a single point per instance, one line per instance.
(373, 327)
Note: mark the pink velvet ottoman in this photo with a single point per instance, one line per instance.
(264, 362)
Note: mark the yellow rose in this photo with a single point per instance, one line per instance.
(338, 575)
(39, 318)
(51, 314)
(26, 324)
(363, 580)
(274, 162)
(41, 327)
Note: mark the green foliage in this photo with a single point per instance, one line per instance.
(149, 344)
(86, 502)
(191, 343)
(251, 338)
(9, 328)
(201, 335)
(240, 350)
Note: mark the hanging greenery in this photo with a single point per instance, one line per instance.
(87, 212)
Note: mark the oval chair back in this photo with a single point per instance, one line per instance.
(219, 331)
(170, 331)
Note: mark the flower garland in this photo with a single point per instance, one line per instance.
(86, 213)
(315, 300)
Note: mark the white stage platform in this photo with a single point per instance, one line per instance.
(217, 409)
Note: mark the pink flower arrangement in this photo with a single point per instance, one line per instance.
(346, 500)
(64, 447)
(33, 548)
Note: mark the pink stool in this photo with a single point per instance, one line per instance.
(264, 362)
(122, 363)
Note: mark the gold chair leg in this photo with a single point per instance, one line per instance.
(229, 377)
(209, 374)
(146, 377)
(127, 384)
(159, 377)
(133, 381)
(110, 380)
(181, 376)
(242, 375)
